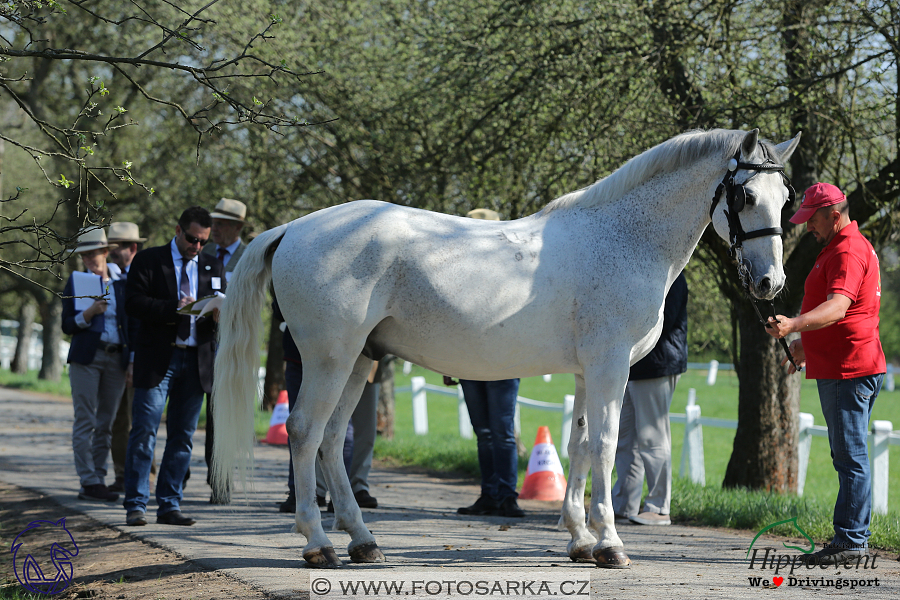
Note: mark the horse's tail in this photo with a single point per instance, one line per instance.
(235, 385)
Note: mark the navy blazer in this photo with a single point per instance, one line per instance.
(86, 341)
(151, 296)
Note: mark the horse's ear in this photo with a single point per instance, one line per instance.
(785, 149)
(748, 146)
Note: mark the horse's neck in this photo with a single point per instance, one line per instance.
(676, 209)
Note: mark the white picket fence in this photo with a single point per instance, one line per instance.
(692, 460)
(36, 351)
(419, 389)
(880, 438)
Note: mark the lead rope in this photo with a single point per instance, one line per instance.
(765, 322)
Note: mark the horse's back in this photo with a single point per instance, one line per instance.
(427, 286)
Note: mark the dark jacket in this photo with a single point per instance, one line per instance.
(151, 295)
(669, 356)
(85, 341)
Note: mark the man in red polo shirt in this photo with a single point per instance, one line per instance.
(841, 350)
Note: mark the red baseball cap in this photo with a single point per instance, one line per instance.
(818, 196)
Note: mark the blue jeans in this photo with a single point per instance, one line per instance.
(492, 408)
(181, 384)
(847, 405)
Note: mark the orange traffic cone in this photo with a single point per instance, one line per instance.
(544, 479)
(277, 434)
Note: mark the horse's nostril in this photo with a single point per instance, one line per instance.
(765, 285)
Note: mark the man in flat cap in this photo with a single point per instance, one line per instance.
(840, 348)
(129, 241)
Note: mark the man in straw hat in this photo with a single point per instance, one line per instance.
(102, 335)
(228, 220)
(840, 348)
(129, 241)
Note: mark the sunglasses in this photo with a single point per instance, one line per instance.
(194, 240)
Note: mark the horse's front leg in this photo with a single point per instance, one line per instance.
(581, 545)
(605, 387)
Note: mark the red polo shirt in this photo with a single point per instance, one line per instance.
(851, 347)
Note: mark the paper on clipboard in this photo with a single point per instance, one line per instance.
(201, 307)
(91, 287)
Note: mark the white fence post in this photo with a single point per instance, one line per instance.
(881, 431)
(566, 433)
(407, 367)
(889, 378)
(713, 371)
(465, 421)
(548, 378)
(804, 445)
(419, 406)
(692, 451)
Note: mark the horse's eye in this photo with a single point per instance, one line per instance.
(750, 198)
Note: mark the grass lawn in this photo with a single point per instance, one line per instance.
(443, 450)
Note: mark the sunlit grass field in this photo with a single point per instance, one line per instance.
(443, 450)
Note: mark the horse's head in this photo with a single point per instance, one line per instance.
(746, 212)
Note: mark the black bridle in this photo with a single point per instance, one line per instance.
(736, 198)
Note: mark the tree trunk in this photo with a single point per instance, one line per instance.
(51, 315)
(274, 367)
(385, 419)
(765, 445)
(23, 338)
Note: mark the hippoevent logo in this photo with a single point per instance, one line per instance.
(43, 564)
(803, 569)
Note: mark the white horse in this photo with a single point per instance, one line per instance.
(577, 288)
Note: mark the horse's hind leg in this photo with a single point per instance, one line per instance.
(324, 380)
(348, 516)
(581, 545)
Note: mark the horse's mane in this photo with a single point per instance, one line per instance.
(666, 157)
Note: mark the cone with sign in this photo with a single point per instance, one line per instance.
(544, 479)
(277, 434)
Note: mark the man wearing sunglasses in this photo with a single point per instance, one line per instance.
(173, 360)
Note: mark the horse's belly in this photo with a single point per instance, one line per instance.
(497, 354)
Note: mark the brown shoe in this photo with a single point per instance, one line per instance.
(651, 518)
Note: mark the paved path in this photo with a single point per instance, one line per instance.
(415, 525)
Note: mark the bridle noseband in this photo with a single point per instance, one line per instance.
(736, 198)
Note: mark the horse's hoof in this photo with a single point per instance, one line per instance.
(582, 555)
(366, 553)
(612, 558)
(324, 558)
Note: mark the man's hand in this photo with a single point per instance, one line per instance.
(185, 300)
(129, 375)
(779, 326)
(796, 348)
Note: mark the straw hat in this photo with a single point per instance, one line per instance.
(484, 213)
(91, 239)
(124, 231)
(233, 210)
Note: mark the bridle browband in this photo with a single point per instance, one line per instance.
(736, 199)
